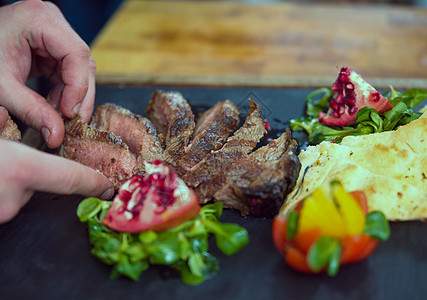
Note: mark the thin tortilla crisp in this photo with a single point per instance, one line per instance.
(391, 167)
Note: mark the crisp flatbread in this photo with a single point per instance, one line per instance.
(391, 167)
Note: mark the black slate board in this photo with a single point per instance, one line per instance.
(45, 252)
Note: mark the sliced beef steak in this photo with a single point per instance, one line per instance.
(212, 130)
(260, 184)
(10, 131)
(257, 159)
(172, 116)
(99, 150)
(275, 149)
(216, 165)
(136, 131)
(222, 183)
(210, 172)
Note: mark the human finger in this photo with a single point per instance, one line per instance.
(4, 116)
(41, 171)
(85, 108)
(54, 97)
(54, 8)
(87, 104)
(12, 199)
(33, 110)
(51, 37)
(74, 64)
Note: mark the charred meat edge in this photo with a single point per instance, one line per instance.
(172, 116)
(212, 130)
(261, 189)
(274, 149)
(258, 159)
(237, 146)
(221, 184)
(99, 150)
(136, 131)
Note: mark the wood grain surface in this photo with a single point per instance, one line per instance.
(218, 43)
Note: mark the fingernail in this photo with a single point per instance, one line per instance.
(108, 194)
(76, 109)
(46, 133)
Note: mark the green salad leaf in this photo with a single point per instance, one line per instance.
(293, 218)
(377, 226)
(368, 120)
(325, 252)
(184, 247)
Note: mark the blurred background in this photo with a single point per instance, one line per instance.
(89, 16)
(274, 43)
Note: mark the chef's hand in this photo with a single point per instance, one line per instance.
(35, 39)
(25, 170)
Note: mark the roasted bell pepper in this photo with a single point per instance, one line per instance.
(329, 228)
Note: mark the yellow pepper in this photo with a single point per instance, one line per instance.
(332, 210)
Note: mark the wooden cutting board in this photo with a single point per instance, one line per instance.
(217, 43)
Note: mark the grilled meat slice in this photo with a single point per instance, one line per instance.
(247, 137)
(99, 150)
(10, 131)
(222, 183)
(259, 187)
(229, 163)
(212, 130)
(136, 131)
(274, 149)
(219, 162)
(172, 116)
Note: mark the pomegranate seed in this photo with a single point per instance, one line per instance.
(136, 178)
(334, 105)
(156, 162)
(375, 97)
(345, 71)
(136, 210)
(138, 197)
(160, 209)
(351, 101)
(145, 189)
(343, 78)
(125, 195)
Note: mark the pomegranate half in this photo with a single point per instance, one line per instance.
(158, 201)
(350, 93)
